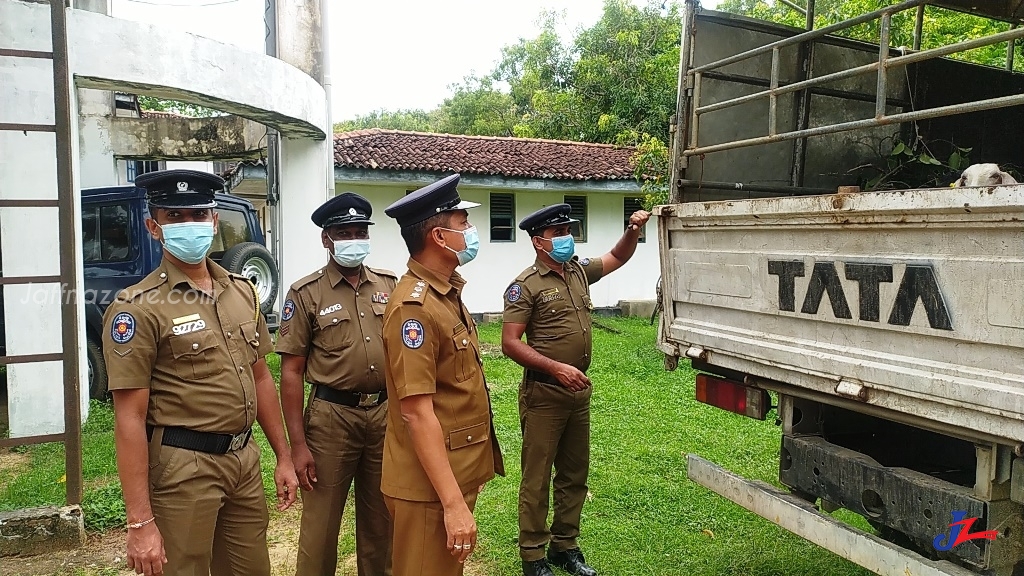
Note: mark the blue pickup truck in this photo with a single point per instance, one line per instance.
(118, 252)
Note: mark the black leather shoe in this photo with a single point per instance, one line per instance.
(537, 568)
(571, 561)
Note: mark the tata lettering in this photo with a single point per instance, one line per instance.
(918, 283)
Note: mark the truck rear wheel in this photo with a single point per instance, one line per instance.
(255, 262)
(97, 370)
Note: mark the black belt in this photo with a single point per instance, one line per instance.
(542, 377)
(210, 442)
(350, 399)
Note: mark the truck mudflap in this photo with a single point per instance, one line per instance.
(804, 520)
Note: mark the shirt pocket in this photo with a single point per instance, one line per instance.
(468, 435)
(335, 331)
(195, 355)
(378, 309)
(251, 340)
(465, 357)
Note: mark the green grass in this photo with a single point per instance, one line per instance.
(645, 517)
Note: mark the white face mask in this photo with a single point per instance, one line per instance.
(350, 253)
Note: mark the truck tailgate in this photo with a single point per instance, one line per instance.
(911, 300)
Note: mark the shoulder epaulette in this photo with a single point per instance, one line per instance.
(527, 273)
(307, 279)
(416, 294)
(383, 272)
(152, 281)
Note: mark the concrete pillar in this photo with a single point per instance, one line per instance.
(302, 190)
(97, 164)
(299, 40)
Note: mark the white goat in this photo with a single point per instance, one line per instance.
(983, 175)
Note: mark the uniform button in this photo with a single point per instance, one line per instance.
(367, 338)
(469, 438)
(577, 308)
(335, 321)
(250, 403)
(357, 293)
(321, 271)
(372, 367)
(163, 275)
(584, 329)
(240, 369)
(229, 334)
(361, 314)
(464, 341)
(195, 345)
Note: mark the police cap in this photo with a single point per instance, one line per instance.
(180, 188)
(417, 206)
(344, 209)
(554, 215)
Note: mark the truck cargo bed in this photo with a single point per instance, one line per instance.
(911, 301)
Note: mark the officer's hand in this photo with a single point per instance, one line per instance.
(461, 528)
(571, 377)
(146, 553)
(305, 468)
(287, 484)
(638, 219)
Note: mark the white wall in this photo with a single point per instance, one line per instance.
(498, 263)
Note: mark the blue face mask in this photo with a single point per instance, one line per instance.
(562, 248)
(472, 239)
(188, 241)
(351, 253)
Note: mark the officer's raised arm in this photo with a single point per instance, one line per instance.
(626, 246)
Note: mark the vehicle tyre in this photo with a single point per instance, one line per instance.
(255, 262)
(97, 370)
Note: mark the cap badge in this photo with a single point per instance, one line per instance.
(352, 211)
(182, 186)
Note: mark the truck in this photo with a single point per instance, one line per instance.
(883, 327)
(118, 251)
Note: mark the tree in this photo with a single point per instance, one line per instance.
(409, 120)
(477, 108)
(180, 108)
(941, 26)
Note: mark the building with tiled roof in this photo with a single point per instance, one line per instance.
(510, 178)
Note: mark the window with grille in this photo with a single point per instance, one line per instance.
(578, 210)
(631, 204)
(503, 217)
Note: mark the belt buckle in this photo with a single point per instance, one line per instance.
(238, 441)
(368, 400)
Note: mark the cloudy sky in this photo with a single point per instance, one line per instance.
(384, 53)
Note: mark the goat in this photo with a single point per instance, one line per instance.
(983, 175)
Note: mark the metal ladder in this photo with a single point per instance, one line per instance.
(65, 205)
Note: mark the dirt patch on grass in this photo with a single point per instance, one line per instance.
(104, 554)
(12, 462)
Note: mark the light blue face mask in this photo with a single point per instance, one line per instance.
(562, 248)
(350, 253)
(472, 239)
(188, 241)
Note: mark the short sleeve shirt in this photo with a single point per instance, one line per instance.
(430, 342)
(192, 351)
(556, 309)
(337, 327)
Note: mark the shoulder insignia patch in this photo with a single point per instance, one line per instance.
(122, 330)
(514, 292)
(585, 261)
(412, 334)
(288, 311)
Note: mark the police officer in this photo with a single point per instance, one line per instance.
(550, 302)
(440, 446)
(185, 354)
(330, 336)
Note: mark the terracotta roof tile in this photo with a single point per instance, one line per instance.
(379, 149)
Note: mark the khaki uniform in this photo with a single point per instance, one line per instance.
(555, 420)
(195, 353)
(337, 328)
(431, 345)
